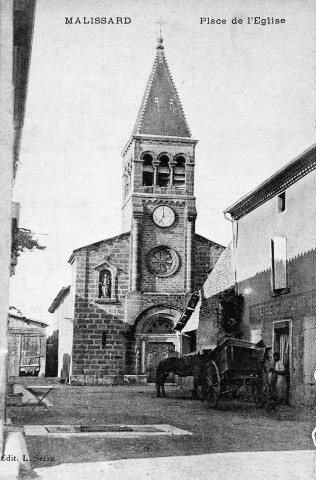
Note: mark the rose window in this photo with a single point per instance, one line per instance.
(163, 261)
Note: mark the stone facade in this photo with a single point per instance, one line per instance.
(121, 318)
(129, 290)
(99, 323)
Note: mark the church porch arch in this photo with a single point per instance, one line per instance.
(155, 338)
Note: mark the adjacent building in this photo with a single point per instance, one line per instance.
(263, 284)
(16, 29)
(274, 238)
(27, 345)
(62, 310)
(201, 321)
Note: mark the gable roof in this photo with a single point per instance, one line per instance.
(96, 244)
(16, 314)
(207, 240)
(161, 112)
(59, 297)
(277, 183)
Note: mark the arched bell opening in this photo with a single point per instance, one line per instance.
(179, 172)
(148, 170)
(164, 171)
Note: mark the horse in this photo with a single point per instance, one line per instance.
(191, 365)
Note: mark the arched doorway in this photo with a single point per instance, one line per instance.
(156, 339)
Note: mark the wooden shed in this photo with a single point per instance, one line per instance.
(27, 345)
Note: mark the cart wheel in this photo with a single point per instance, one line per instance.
(213, 382)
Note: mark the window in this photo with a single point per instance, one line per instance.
(164, 172)
(157, 102)
(278, 256)
(148, 171)
(105, 284)
(162, 261)
(103, 339)
(179, 173)
(171, 104)
(281, 202)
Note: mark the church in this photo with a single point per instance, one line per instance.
(128, 291)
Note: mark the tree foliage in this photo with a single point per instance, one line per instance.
(231, 307)
(22, 240)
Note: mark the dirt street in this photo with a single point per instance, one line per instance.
(234, 426)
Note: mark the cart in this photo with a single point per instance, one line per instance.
(236, 367)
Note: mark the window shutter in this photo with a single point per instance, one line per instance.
(279, 274)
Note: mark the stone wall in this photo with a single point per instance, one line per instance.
(172, 237)
(105, 346)
(220, 279)
(99, 327)
(205, 256)
(208, 330)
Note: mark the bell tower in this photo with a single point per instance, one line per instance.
(130, 291)
(158, 189)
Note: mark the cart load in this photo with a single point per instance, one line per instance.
(237, 365)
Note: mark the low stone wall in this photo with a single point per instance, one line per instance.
(81, 380)
(135, 379)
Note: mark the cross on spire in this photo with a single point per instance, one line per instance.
(160, 23)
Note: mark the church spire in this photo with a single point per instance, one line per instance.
(161, 112)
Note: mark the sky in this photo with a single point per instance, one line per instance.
(248, 92)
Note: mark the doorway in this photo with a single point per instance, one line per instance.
(156, 339)
(282, 344)
(155, 352)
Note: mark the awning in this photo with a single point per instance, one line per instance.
(193, 321)
(188, 311)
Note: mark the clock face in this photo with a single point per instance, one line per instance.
(163, 216)
(162, 261)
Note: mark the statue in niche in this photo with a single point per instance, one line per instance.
(105, 284)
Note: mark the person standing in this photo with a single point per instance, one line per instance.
(278, 383)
